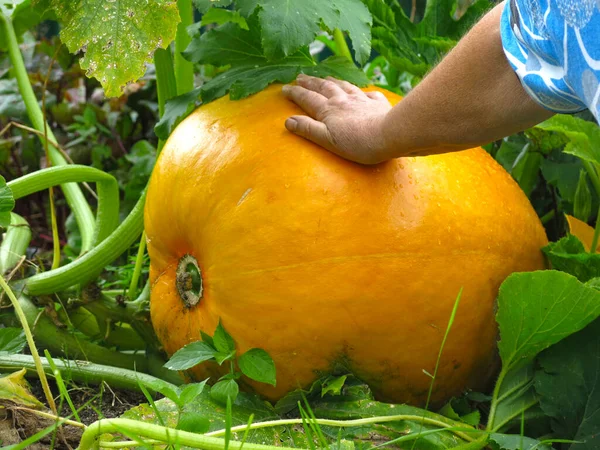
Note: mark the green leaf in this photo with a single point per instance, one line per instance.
(356, 19)
(250, 71)
(563, 175)
(583, 136)
(12, 340)
(221, 16)
(516, 397)
(189, 392)
(258, 365)
(569, 255)
(204, 5)
(13, 387)
(568, 384)
(288, 25)
(23, 16)
(516, 442)
(460, 410)
(117, 38)
(333, 385)
(356, 403)
(223, 389)
(582, 207)
(537, 310)
(417, 47)
(223, 340)
(176, 109)
(207, 338)
(221, 357)
(165, 388)
(190, 355)
(7, 203)
(194, 422)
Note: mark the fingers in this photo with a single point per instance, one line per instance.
(309, 101)
(324, 87)
(349, 88)
(375, 95)
(310, 129)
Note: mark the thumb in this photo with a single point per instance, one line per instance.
(310, 129)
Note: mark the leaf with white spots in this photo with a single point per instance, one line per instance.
(117, 37)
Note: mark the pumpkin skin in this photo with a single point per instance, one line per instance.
(331, 265)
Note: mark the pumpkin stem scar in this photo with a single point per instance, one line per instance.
(189, 280)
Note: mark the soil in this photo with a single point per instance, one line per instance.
(93, 402)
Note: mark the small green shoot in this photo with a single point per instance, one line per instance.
(256, 363)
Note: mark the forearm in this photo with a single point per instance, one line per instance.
(471, 98)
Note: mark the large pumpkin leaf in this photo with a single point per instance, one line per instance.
(415, 48)
(516, 442)
(583, 137)
(568, 385)
(569, 255)
(537, 310)
(355, 402)
(117, 37)
(251, 71)
(288, 25)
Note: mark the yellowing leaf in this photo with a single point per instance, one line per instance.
(13, 387)
(581, 231)
(117, 37)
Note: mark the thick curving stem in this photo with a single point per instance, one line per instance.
(88, 266)
(107, 217)
(75, 198)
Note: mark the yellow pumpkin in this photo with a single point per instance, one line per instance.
(331, 265)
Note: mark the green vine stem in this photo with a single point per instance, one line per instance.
(164, 434)
(22, 317)
(184, 70)
(137, 270)
(84, 372)
(462, 433)
(342, 46)
(15, 242)
(75, 198)
(208, 441)
(107, 217)
(166, 84)
(88, 266)
(59, 340)
(593, 174)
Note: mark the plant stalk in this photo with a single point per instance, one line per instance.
(15, 242)
(137, 271)
(184, 70)
(75, 198)
(166, 84)
(87, 267)
(342, 46)
(32, 347)
(85, 372)
(593, 174)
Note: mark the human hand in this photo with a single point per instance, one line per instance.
(341, 118)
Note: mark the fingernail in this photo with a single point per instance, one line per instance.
(285, 90)
(291, 124)
(301, 76)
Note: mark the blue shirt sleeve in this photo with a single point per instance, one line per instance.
(554, 48)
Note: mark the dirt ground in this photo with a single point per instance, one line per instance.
(93, 402)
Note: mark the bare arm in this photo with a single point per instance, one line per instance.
(471, 98)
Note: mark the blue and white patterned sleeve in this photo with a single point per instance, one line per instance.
(554, 48)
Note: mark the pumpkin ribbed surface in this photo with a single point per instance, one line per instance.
(330, 265)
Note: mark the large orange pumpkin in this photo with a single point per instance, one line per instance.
(328, 264)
